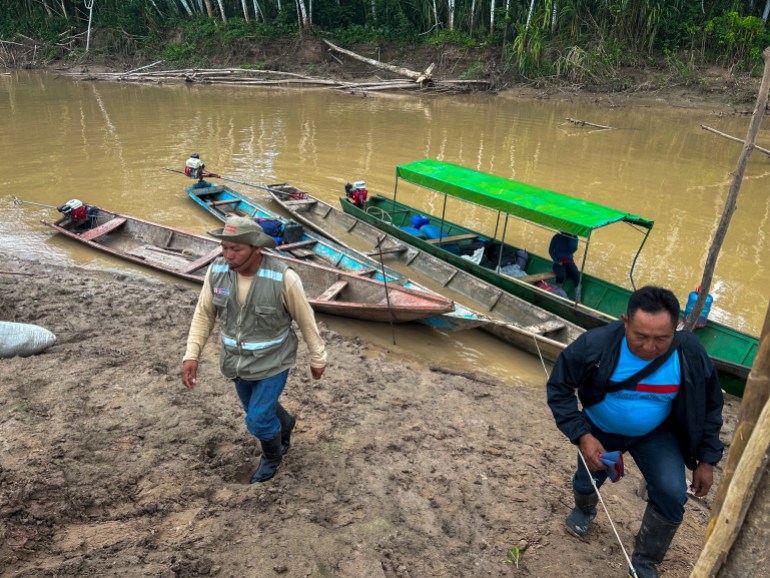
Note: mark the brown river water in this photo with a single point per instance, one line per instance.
(107, 144)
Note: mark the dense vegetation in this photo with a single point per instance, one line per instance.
(583, 41)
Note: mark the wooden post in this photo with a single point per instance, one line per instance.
(732, 197)
(755, 397)
(738, 539)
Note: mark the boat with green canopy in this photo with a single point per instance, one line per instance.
(594, 302)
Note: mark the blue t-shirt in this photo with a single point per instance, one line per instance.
(637, 411)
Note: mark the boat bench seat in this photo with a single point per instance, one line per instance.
(302, 253)
(201, 261)
(387, 250)
(545, 327)
(452, 239)
(333, 291)
(297, 245)
(301, 203)
(103, 229)
(534, 278)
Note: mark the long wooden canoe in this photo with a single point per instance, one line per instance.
(188, 256)
(513, 320)
(221, 201)
(600, 301)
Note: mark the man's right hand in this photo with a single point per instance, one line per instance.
(591, 448)
(189, 373)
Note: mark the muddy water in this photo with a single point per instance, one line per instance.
(107, 144)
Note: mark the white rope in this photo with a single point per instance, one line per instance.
(606, 511)
(540, 355)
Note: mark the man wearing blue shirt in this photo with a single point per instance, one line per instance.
(667, 416)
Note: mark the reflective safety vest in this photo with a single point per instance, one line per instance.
(257, 339)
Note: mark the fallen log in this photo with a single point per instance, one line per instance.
(579, 122)
(733, 138)
(420, 77)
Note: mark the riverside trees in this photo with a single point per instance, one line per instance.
(579, 39)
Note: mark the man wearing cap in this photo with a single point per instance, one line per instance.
(255, 297)
(653, 392)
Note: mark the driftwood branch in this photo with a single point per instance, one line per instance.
(401, 71)
(421, 81)
(733, 138)
(578, 122)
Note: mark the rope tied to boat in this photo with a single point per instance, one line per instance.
(387, 292)
(540, 355)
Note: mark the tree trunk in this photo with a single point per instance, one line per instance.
(417, 76)
(732, 196)
(90, 5)
(451, 14)
(209, 9)
(187, 7)
(222, 11)
(491, 17)
(245, 7)
(529, 14)
(258, 14)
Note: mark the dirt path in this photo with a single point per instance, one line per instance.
(109, 467)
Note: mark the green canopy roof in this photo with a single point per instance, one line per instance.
(528, 202)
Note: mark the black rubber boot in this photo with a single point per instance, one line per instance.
(583, 514)
(271, 459)
(652, 542)
(288, 422)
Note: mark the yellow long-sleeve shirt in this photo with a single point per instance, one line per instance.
(293, 298)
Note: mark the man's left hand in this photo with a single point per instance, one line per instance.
(702, 479)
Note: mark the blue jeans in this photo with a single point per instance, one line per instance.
(259, 399)
(658, 457)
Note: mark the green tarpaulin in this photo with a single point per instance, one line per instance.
(547, 208)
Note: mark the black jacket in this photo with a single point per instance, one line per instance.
(588, 363)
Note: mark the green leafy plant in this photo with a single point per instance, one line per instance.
(514, 554)
(473, 72)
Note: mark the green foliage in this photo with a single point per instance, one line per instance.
(526, 52)
(685, 71)
(603, 35)
(359, 34)
(735, 40)
(513, 556)
(474, 72)
(452, 38)
(599, 66)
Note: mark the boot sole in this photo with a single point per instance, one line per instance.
(571, 532)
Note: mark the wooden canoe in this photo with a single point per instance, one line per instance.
(188, 256)
(221, 201)
(511, 319)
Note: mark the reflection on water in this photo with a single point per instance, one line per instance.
(107, 144)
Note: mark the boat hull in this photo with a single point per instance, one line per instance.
(188, 256)
(221, 201)
(511, 319)
(732, 351)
